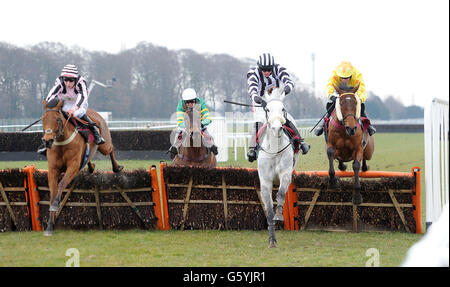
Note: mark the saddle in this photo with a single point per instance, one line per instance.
(82, 129)
(295, 139)
(363, 122)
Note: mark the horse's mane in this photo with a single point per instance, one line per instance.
(345, 88)
(275, 93)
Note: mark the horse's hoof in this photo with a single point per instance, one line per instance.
(357, 199)
(365, 168)
(272, 244)
(53, 208)
(48, 233)
(117, 169)
(278, 217)
(342, 167)
(332, 183)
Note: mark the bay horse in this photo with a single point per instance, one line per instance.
(276, 160)
(348, 139)
(193, 151)
(66, 153)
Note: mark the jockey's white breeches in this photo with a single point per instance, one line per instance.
(78, 113)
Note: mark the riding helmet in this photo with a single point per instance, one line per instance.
(266, 62)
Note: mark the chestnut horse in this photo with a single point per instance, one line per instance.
(347, 140)
(193, 151)
(65, 153)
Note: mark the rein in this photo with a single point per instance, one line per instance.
(280, 151)
(61, 130)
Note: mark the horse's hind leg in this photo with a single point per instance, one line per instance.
(364, 167)
(342, 166)
(91, 167)
(357, 198)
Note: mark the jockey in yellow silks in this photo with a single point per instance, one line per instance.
(189, 99)
(345, 74)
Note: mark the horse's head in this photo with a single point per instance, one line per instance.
(192, 122)
(275, 112)
(52, 122)
(348, 108)
(192, 119)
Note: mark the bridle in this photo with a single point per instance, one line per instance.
(60, 132)
(282, 128)
(347, 115)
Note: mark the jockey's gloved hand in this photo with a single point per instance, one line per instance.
(287, 90)
(333, 98)
(259, 101)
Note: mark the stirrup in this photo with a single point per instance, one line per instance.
(319, 131)
(252, 154)
(213, 149)
(371, 130)
(304, 147)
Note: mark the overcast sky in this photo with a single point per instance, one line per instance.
(400, 46)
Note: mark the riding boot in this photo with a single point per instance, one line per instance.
(252, 153)
(319, 131)
(98, 139)
(371, 129)
(214, 150)
(210, 141)
(298, 140)
(174, 149)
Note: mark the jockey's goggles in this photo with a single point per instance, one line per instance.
(66, 79)
(191, 101)
(266, 69)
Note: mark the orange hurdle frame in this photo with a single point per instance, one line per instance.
(291, 212)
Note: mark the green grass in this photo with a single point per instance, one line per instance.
(202, 248)
(393, 152)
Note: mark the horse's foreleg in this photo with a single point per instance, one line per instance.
(53, 175)
(116, 167)
(330, 153)
(357, 198)
(266, 196)
(281, 195)
(70, 173)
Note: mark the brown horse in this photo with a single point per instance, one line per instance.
(65, 153)
(193, 152)
(347, 140)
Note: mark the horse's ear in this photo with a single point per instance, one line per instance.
(59, 105)
(355, 88)
(53, 103)
(44, 104)
(338, 89)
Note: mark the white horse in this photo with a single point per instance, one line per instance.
(276, 159)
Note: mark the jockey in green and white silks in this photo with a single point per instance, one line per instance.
(189, 99)
(264, 77)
